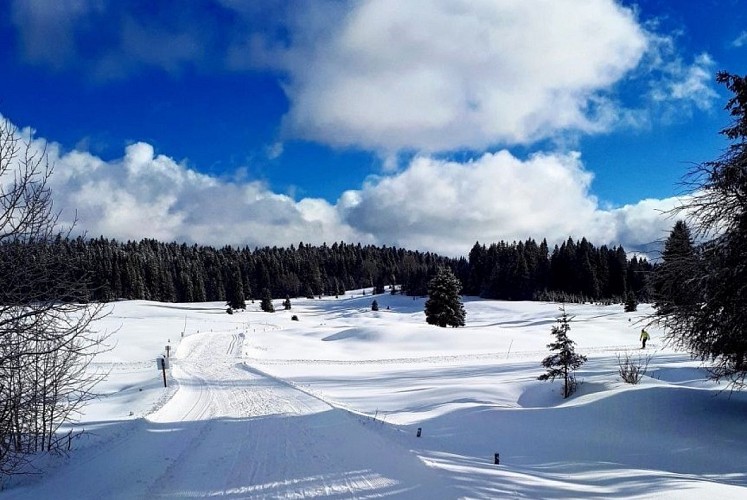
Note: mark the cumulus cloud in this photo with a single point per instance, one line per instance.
(147, 195)
(447, 206)
(431, 204)
(449, 74)
(393, 76)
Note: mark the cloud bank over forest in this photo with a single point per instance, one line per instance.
(431, 204)
(440, 90)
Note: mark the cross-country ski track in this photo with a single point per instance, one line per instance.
(232, 432)
(327, 405)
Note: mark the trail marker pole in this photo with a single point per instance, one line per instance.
(162, 364)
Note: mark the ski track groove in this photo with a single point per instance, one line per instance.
(452, 358)
(226, 428)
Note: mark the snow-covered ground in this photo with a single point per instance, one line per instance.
(260, 406)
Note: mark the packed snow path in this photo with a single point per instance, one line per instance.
(229, 431)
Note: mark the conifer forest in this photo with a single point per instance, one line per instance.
(174, 272)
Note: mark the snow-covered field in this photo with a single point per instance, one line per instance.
(260, 406)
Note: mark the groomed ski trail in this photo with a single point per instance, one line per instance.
(230, 431)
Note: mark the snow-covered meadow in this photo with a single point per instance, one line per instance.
(261, 406)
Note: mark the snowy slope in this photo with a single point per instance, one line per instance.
(260, 406)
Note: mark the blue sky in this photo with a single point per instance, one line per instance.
(425, 124)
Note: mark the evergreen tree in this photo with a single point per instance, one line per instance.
(287, 303)
(444, 305)
(565, 361)
(374, 305)
(631, 302)
(266, 304)
(673, 283)
(235, 290)
(715, 327)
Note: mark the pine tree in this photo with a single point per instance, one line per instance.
(374, 305)
(565, 361)
(631, 302)
(287, 303)
(266, 304)
(444, 305)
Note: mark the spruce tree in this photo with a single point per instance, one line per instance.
(672, 281)
(235, 290)
(266, 304)
(714, 328)
(631, 302)
(444, 305)
(565, 361)
(287, 303)
(375, 305)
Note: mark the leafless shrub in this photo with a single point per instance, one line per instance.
(46, 340)
(632, 369)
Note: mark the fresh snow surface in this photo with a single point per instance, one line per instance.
(260, 406)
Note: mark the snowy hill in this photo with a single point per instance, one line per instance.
(260, 406)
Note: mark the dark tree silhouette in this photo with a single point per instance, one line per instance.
(712, 322)
(444, 305)
(565, 361)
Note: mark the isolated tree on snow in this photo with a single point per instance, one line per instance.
(565, 361)
(444, 305)
(374, 305)
(714, 327)
(287, 303)
(631, 302)
(266, 304)
(46, 338)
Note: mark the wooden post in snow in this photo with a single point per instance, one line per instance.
(162, 365)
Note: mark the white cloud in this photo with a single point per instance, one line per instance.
(679, 83)
(143, 194)
(740, 40)
(431, 204)
(394, 76)
(275, 150)
(446, 206)
(448, 74)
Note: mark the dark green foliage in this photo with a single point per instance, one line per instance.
(574, 272)
(266, 304)
(673, 284)
(153, 270)
(631, 302)
(374, 305)
(287, 303)
(235, 289)
(565, 361)
(701, 292)
(180, 273)
(379, 285)
(444, 305)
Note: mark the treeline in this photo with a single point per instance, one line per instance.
(173, 272)
(571, 272)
